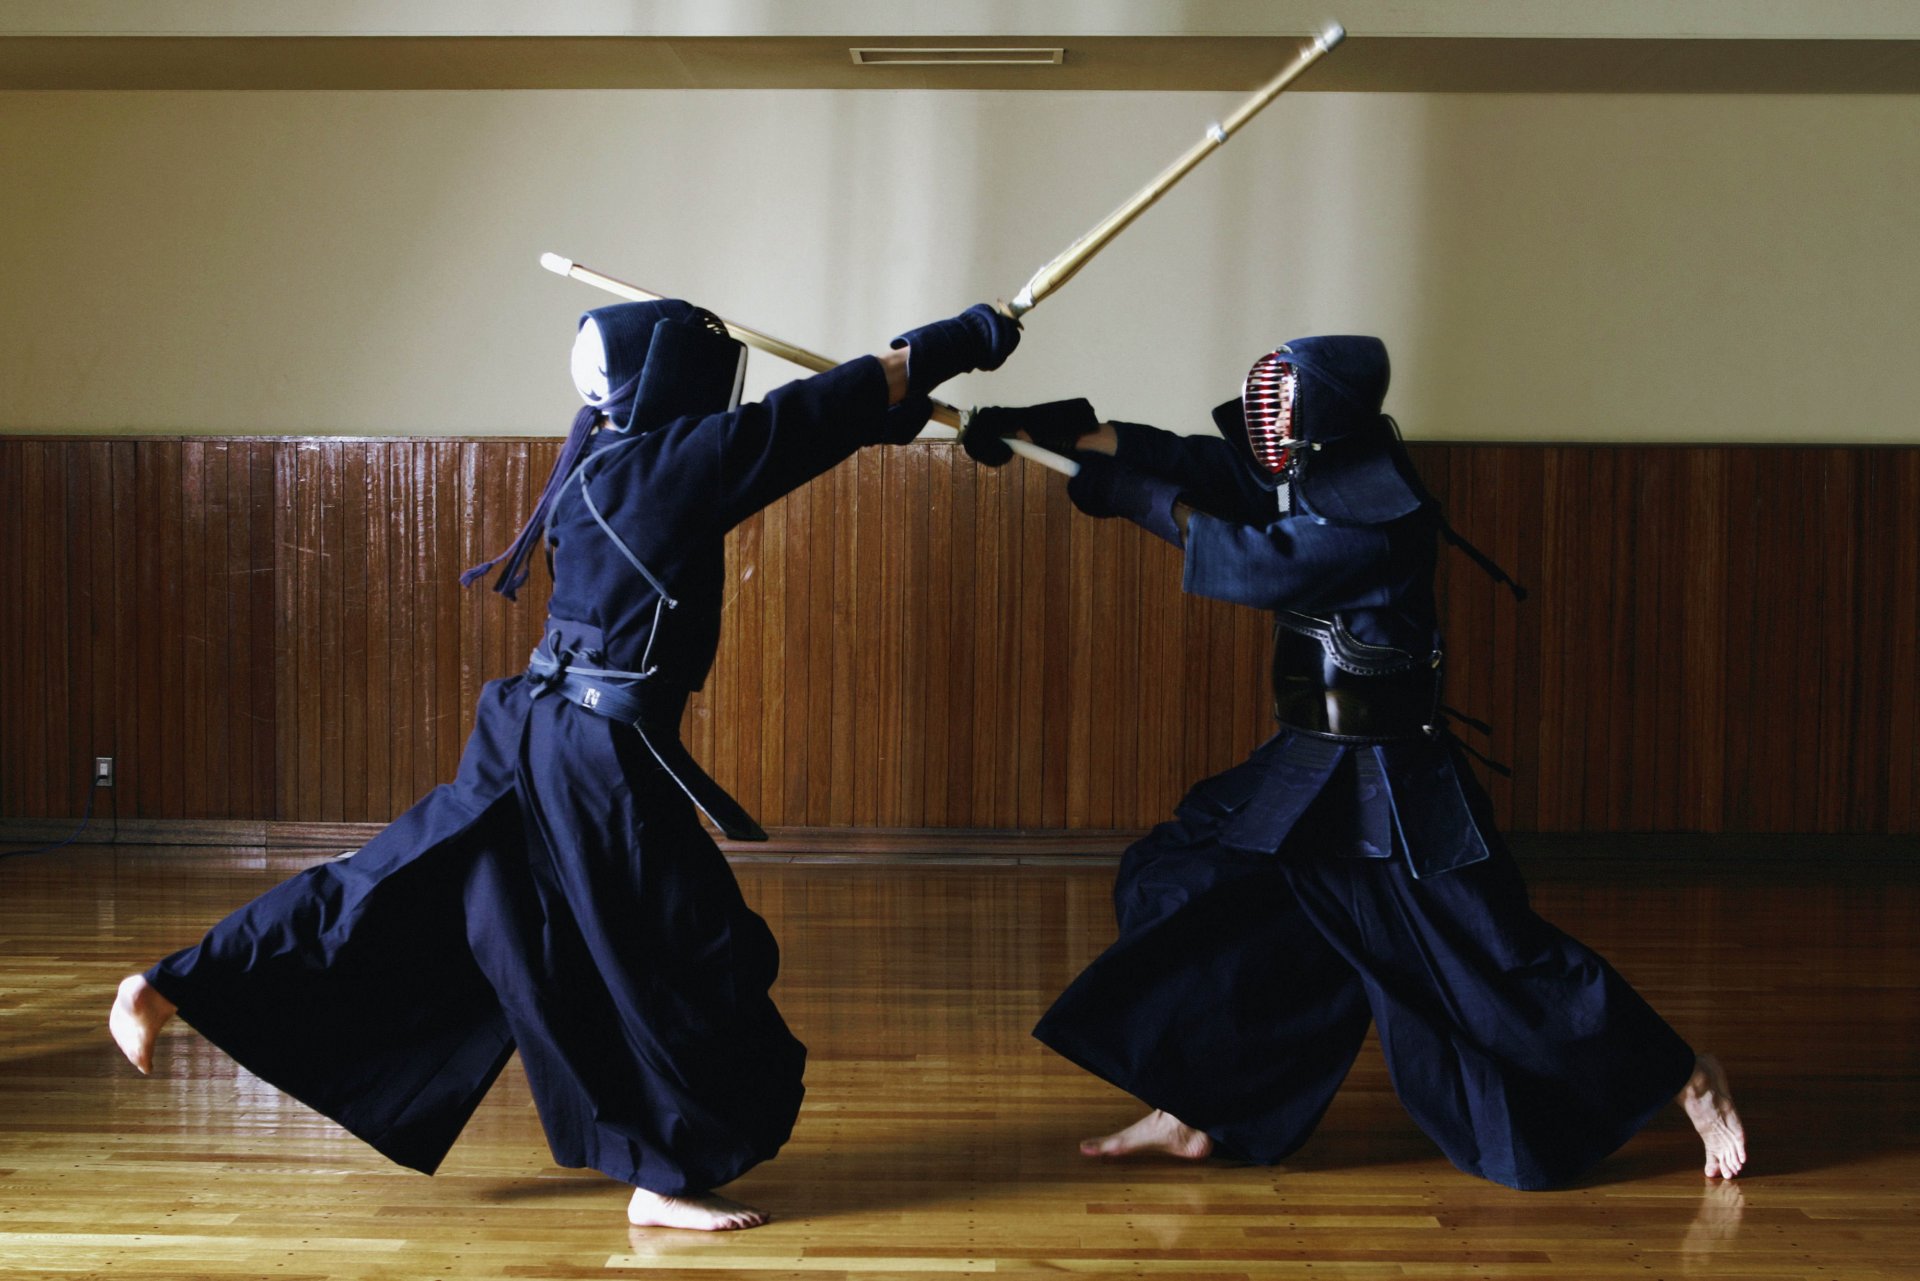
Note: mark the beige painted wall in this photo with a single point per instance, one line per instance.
(1552, 268)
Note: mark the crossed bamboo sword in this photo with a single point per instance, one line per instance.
(1049, 278)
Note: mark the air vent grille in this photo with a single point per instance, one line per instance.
(892, 57)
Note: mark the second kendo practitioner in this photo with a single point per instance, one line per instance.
(561, 896)
(1349, 871)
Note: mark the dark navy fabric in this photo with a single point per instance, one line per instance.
(560, 895)
(1243, 982)
(1104, 487)
(1319, 887)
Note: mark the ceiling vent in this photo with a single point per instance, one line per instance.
(878, 57)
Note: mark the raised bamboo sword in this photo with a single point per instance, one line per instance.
(1050, 277)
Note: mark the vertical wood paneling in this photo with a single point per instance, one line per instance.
(818, 606)
(910, 601)
(1026, 601)
(841, 623)
(1900, 617)
(13, 639)
(1658, 648)
(376, 733)
(356, 692)
(745, 613)
(331, 675)
(307, 622)
(794, 640)
(123, 680)
(1609, 747)
(961, 664)
(451, 506)
(1718, 639)
(462, 614)
(216, 634)
(94, 554)
(195, 627)
(68, 470)
(1703, 606)
(40, 662)
(150, 641)
(263, 640)
(1843, 661)
(15, 721)
(986, 615)
(170, 527)
(1076, 673)
(865, 749)
(936, 605)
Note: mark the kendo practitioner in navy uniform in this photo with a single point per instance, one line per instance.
(1349, 870)
(560, 896)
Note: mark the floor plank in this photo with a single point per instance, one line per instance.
(938, 1138)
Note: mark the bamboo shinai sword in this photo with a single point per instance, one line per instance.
(949, 417)
(1050, 277)
(1075, 256)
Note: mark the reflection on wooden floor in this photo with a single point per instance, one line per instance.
(938, 1138)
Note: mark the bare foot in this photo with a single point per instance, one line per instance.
(1709, 1105)
(138, 1014)
(707, 1213)
(1157, 1131)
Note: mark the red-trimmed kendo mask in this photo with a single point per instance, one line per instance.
(1308, 425)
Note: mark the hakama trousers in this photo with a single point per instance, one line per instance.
(1242, 985)
(560, 897)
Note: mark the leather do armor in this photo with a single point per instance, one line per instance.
(1330, 684)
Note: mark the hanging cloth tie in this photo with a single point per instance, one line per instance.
(513, 561)
(1480, 558)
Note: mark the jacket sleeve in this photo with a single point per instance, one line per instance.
(1210, 474)
(1293, 562)
(764, 450)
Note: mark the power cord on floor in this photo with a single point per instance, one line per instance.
(85, 818)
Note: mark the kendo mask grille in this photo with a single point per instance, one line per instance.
(1268, 399)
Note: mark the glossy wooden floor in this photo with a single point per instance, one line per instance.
(939, 1139)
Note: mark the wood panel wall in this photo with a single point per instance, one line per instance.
(1719, 639)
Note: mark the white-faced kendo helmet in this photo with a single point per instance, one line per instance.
(644, 364)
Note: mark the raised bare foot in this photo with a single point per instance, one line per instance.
(707, 1213)
(138, 1014)
(1709, 1105)
(1157, 1131)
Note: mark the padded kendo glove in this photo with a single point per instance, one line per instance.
(977, 338)
(1057, 425)
(1105, 487)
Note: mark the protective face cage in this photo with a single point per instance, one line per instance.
(1267, 401)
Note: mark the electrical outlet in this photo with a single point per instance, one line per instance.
(103, 770)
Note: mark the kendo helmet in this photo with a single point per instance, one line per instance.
(1310, 415)
(644, 364)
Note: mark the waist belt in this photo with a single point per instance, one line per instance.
(612, 693)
